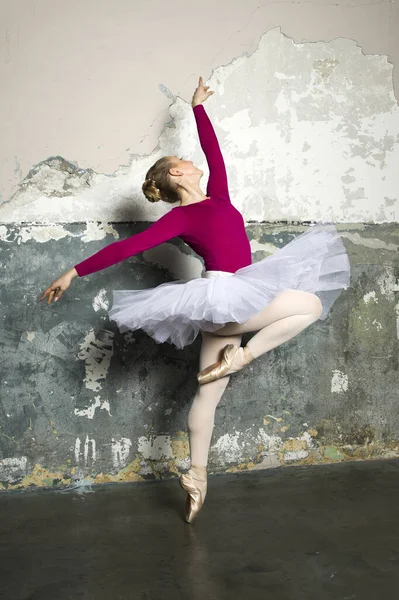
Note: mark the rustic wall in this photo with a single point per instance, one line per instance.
(308, 122)
(82, 402)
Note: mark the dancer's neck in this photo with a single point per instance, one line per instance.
(191, 195)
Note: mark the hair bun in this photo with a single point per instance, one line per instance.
(151, 192)
(158, 184)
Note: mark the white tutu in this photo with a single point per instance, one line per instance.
(315, 261)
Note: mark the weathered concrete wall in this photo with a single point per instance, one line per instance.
(309, 126)
(82, 402)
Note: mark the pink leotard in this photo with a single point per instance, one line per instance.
(213, 227)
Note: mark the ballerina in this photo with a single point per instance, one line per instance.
(276, 298)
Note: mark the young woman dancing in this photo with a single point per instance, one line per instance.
(277, 297)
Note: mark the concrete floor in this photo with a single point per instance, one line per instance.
(323, 532)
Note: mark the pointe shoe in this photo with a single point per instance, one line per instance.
(195, 496)
(225, 366)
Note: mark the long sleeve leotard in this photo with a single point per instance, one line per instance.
(213, 227)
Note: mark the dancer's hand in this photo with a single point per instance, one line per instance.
(60, 284)
(201, 93)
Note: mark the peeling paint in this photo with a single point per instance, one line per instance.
(128, 473)
(369, 242)
(42, 477)
(132, 415)
(339, 382)
(96, 350)
(90, 411)
(388, 283)
(228, 447)
(370, 296)
(88, 452)
(12, 468)
(328, 99)
(156, 447)
(301, 451)
(120, 451)
(297, 455)
(101, 302)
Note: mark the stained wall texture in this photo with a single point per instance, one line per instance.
(309, 126)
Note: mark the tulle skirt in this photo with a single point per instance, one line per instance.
(315, 261)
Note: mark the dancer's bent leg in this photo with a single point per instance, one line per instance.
(289, 313)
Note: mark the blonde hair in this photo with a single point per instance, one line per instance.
(158, 185)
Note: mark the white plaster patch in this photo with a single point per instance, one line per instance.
(317, 141)
(183, 463)
(228, 447)
(155, 448)
(88, 453)
(38, 233)
(145, 468)
(120, 452)
(271, 443)
(306, 437)
(97, 352)
(30, 335)
(13, 468)
(339, 382)
(101, 301)
(295, 455)
(374, 243)
(53, 231)
(90, 411)
(98, 231)
(370, 296)
(388, 283)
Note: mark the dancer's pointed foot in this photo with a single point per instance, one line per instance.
(234, 359)
(194, 482)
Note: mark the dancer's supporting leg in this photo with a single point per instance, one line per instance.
(202, 412)
(289, 313)
(201, 419)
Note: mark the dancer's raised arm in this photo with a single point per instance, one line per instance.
(217, 182)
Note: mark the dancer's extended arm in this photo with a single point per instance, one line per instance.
(167, 227)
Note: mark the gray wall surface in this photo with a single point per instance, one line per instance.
(82, 403)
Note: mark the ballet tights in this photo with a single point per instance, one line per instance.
(202, 412)
(287, 315)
